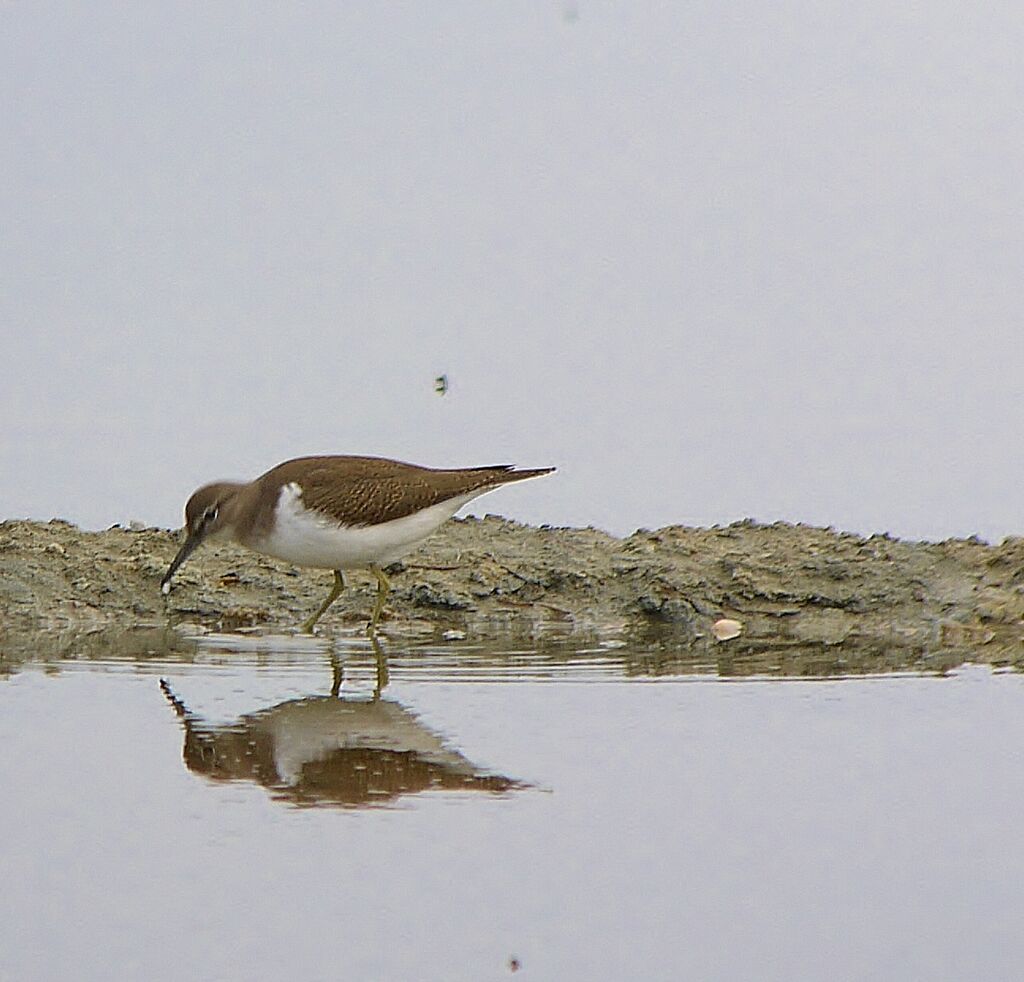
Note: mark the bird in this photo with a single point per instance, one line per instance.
(337, 512)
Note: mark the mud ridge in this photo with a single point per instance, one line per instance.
(877, 603)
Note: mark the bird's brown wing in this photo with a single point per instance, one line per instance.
(370, 490)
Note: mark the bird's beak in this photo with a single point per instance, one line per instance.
(186, 550)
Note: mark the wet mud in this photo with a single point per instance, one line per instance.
(808, 600)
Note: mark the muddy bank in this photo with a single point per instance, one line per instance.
(861, 604)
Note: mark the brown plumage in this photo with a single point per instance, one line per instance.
(358, 491)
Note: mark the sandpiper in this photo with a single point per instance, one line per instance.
(337, 513)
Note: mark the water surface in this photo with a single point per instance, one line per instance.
(552, 814)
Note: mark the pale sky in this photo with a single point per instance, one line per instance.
(711, 260)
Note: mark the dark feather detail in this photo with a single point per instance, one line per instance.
(363, 491)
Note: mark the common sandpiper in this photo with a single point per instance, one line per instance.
(337, 513)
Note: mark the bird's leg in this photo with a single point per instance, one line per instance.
(383, 588)
(337, 674)
(383, 675)
(339, 585)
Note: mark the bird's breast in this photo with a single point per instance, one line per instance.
(307, 537)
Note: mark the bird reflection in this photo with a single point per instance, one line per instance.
(332, 750)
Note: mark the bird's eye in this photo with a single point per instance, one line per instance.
(210, 514)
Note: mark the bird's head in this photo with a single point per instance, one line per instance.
(206, 517)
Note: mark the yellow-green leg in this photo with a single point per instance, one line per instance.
(383, 674)
(339, 585)
(337, 674)
(383, 588)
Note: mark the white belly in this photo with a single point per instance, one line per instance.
(306, 538)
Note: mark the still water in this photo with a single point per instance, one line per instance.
(214, 812)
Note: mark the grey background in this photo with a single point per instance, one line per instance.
(712, 260)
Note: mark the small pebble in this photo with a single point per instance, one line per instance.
(454, 636)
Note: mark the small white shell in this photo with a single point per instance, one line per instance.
(726, 629)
